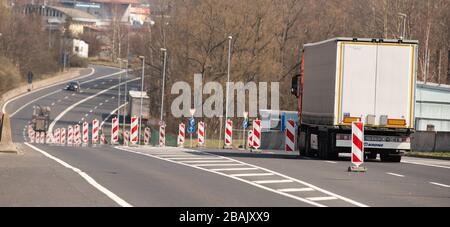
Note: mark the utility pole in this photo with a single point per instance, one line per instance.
(142, 98)
(163, 82)
(230, 38)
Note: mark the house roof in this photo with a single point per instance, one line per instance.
(76, 14)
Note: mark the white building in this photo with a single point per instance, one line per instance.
(432, 107)
(80, 48)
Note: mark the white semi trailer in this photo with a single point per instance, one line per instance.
(343, 80)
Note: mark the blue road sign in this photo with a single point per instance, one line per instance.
(245, 124)
(191, 128)
(283, 122)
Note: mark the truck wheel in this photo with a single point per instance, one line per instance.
(385, 157)
(326, 151)
(372, 156)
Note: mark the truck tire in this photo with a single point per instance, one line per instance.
(326, 147)
(386, 157)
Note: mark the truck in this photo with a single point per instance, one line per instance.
(346, 80)
(41, 118)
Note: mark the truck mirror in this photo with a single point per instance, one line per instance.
(294, 85)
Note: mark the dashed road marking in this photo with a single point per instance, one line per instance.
(439, 184)
(53, 103)
(90, 111)
(66, 97)
(395, 174)
(100, 104)
(331, 162)
(425, 164)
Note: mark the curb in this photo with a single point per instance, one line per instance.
(428, 157)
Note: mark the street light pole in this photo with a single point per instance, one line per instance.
(230, 38)
(163, 82)
(118, 96)
(404, 17)
(142, 98)
(126, 79)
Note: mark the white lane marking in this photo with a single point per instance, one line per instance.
(73, 94)
(234, 169)
(86, 115)
(59, 100)
(195, 158)
(296, 190)
(395, 174)
(206, 165)
(90, 111)
(328, 193)
(273, 181)
(424, 164)
(331, 162)
(89, 179)
(106, 101)
(113, 97)
(66, 97)
(212, 161)
(53, 103)
(252, 174)
(321, 198)
(100, 104)
(177, 155)
(225, 175)
(439, 184)
(82, 101)
(95, 107)
(110, 114)
(41, 97)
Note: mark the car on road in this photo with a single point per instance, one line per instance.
(73, 86)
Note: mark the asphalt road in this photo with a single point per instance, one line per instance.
(45, 175)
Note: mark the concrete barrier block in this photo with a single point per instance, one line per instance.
(6, 143)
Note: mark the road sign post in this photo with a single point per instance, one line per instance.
(244, 130)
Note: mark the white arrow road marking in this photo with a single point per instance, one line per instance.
(82, 101)
(86, 177)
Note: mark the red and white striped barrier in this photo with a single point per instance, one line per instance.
(95, 128)
(201, 133)
(85, 133)
(250, 139)
(57, 136)
(126, 138)
(70, 135)
(181, 134)
(229, 134)
(102, 139)
(290, 136)
(37, 137)
(162, 136)
(147, 136)
(257, 134)
(63, 136)
(77, 135)
(357, 144)
(31, 135)
(115, 131)
(42, 139)
(134, 131)
(49, 138)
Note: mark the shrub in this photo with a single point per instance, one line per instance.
(78, 62)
